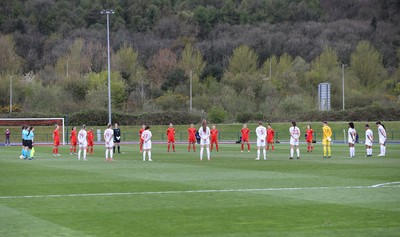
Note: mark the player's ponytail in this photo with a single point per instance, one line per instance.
(294, 123)
(204, 125)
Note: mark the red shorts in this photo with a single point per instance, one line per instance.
(245, 139)
(270, 141)
(192, 139)
(171, 140)
(214, 140)
(73, 143)
(90, 143)
(56, 143)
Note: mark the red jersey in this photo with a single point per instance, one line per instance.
(214, 134)
(56, 137)
(73, 136)
(270, 135)
(90, 137)
(192, 133)
(140, 135)
(245, 134)
(309, 133)
(171, 134)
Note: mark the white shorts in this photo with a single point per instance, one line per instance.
(368, 143)
(294, 142)
(204, 142)
(260, 142)
(382, 141)
(147, 145)
(83, 144)
(351, 141)
(110, 144)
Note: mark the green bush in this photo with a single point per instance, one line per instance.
(217, 114)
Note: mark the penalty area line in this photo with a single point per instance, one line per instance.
(382, 185)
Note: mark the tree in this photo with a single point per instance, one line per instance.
(366, 64)
(11, 62)
(159, 65)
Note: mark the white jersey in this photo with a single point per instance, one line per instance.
(146, 136)
(82, 138)
(369, 137)
(351, 135)
(382, 134)
(109, 137)
(261, 133)
(204, 136)
(294, 135)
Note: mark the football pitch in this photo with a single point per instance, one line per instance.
(179, 195)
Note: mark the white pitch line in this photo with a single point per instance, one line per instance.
(382, 185)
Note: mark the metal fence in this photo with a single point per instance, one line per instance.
(223, 136)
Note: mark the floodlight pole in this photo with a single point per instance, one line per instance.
(11, 103)
(108, 12)
(191, 90)
(343, 65)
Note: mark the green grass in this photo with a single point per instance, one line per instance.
(178, 195)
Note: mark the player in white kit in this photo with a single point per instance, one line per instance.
(294, 140)
(261, 132)
(109, 141)
(146, 137)
(204, 133)
(382, 138)
(351, 137)
(369, 139)
(82, 140)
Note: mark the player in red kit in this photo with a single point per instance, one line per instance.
(214, 137)
(171, 136)
(245, 137)
(56, 140)
(270, 137)
(309, 138)
(73, 141)
(90, 141)
(141, 139)
(192, 137)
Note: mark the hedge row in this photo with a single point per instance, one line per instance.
(371, 113)
(100, 117)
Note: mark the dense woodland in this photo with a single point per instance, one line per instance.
(244, 56)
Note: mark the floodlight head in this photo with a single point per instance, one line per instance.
(107, 11)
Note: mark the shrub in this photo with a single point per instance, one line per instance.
(217, 114)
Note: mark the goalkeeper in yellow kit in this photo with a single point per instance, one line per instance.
(326, 141)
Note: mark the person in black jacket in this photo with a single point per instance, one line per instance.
(117, 137)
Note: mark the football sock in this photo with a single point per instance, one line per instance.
(149, 152)
(84, 154)
(268, 148)
(144, 155)
(384, 150)
(189, 147)
(111, 154)
(211, 147)
(168, 146)
(258, 154)
(119, 150)
(329, 151)
(173, 147)
(79, 154)
(291, 152)
(194, 147)
(216, 146)
(265, 154)
(248, 147)
(208, 152)
(298, 152)
(273, 148)
(201, 153)
(242, 146)
(106, 153)
(324, 150)
(113, 149)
